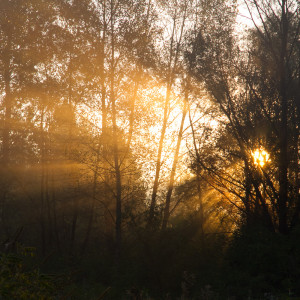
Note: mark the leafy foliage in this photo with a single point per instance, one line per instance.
(19, 281)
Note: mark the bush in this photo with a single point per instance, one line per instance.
(18, 283)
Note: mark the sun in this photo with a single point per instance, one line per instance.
(260, 157)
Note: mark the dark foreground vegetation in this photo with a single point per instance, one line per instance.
(149, 149)
(176, 264)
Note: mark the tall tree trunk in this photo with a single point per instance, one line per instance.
(54, 209)
(48, 201)
(73, 226)
(175, 161)
(7, 101)
(247, 195)
(198, 178)
(102, 75)
(92, 208)
(158, 161)
(42, 184)
(283, 132)
(170, 79)
(118, 183)
(8, 108)
(132, 106)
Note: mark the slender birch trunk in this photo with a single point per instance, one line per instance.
(104, 134)
(174, 166)
(118, 183)
(283, 160)
(198, 177)
(170, 80)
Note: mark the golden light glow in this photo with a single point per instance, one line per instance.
(260, 157)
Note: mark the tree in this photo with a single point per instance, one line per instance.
(178, 13)
(254, 120)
